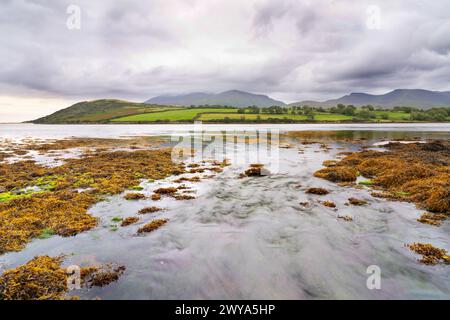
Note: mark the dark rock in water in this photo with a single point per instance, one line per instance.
(256, 170)
(435, 146)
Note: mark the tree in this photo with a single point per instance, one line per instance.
(349, 110)
(340, 108)
(365, 114)
(309, 113)
(254, 109)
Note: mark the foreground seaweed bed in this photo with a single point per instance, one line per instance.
(43, 278)
(415, 172)
(64, 194)
(430, 254)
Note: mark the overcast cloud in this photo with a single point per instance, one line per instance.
(289, 49)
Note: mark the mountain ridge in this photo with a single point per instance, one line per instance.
(235, 98)
(419, 98)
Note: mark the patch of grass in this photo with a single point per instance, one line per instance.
(7, 196)
(366, 182)
(46, 233)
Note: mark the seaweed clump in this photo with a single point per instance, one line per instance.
(128, 221)
(329, 204)
(414, 172)
(329, 163)
(178, 196)
(42, 278)
(433, 219)
(357, 202)
(168, 190)
(192, 179)
(101, 276)
(63, 212)
(430, 254)
(134, 196)
(337, 174)
(152, 226)
(318, 191)
(149, 210)
(156, 197)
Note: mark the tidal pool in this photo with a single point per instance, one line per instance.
(251, 238)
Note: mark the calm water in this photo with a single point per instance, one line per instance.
(249, 238)
(115, 131)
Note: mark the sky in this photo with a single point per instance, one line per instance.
(54, 53)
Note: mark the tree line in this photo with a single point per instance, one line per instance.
(366, 112)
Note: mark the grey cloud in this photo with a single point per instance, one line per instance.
(287, 48)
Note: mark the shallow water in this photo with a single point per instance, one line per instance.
(13, 131)
(250, 238)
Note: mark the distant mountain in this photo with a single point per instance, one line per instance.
(107, 110)
(233, 98)
(401, 97)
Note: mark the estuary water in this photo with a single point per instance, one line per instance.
(22, 130)
(256, 237)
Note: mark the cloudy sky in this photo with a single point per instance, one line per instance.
(289, 49)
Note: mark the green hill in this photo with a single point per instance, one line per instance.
(100, 111)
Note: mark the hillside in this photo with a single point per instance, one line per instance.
(401, 97)
(235, 98)
(98, 111)
(223, 108)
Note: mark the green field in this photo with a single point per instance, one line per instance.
(393, 115)
(331, 117)
(263, 116)
(228, 114)
(173, 115)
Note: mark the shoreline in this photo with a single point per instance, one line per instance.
(239, 123)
